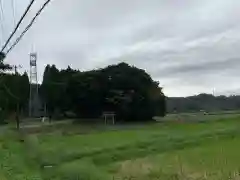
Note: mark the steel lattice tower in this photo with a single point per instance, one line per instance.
(33, 85)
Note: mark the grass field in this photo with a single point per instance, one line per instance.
(168, 150)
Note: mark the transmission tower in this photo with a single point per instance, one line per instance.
(34, 98)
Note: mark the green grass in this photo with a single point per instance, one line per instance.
(13, 161)
(166, 150)
(218, 160)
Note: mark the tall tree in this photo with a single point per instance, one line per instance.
(50, 88)
(24, 89)
(3, 66)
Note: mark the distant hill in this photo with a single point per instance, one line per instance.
(206, 102)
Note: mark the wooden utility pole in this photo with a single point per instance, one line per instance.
(17, 118)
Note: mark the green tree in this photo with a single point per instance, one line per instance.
(128, 91)
(24, 89)
(3, 66)
(14, 90)
(49, 90)
(120, 88)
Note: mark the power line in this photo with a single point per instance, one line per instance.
(1, 30)
(28, 26)
(1, 19)
(18, 24)
(13, 12)
(1, 9)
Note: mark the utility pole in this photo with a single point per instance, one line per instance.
(18, 101)
(16, 67)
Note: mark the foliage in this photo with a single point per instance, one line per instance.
(3, 66)
(206, 102)
(128, 91)
(8, 99)
(14, 90)
(2, 56)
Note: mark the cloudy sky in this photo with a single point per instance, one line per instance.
(189, 46)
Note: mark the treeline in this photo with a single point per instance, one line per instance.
(126, 90)
(206, 102)
(14, 93)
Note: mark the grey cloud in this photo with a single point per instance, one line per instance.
(203, 68)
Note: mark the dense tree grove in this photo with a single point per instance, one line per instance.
(14, 90)
(128, 91)
(206, 102)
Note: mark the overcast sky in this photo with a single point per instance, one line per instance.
(189, 46)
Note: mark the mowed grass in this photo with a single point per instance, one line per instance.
(166, 150)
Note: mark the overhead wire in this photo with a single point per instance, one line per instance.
(1, 30)
(1, 7)
(1, 22)
(18, 24)
(28, 26)
(2, 39)
(13, 12)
